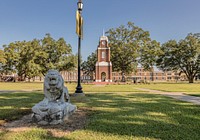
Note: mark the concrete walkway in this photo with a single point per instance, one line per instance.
(176, 95)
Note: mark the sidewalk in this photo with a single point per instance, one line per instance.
(176, 95)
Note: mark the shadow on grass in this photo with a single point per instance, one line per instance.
(144, 115)
(15, 105)
(38, 134)
(196, 95)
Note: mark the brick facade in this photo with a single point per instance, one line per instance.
(103, 71)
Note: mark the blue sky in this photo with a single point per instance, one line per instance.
(29, 19)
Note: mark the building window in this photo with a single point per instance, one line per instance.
(103, 55)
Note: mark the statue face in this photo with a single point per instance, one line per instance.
(53, 84)
(52, 78)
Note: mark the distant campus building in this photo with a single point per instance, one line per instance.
(140, 76)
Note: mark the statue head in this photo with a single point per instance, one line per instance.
(53, 84)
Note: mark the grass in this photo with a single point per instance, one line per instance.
(20, 86)
(15, 105)
(140, 116)
(170, 87)
(125, 114)
(71, 87)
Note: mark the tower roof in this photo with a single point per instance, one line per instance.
(104, 38)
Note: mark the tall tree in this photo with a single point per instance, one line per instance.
(20, 59)
(11, 53)
(149, 53)
(183, 56)
(54, 54)
(125, 42)
(30, 59)
(2, 61)
(89, 66)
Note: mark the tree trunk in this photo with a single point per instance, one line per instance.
(190, 78)
(152, 76)
(123, 77)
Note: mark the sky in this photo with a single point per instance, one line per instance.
(29, 19)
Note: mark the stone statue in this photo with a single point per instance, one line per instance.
(56, 106)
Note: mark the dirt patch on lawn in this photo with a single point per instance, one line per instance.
(76, 121)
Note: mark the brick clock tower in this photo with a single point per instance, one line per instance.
(103, 72)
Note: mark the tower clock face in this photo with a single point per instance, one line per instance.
(103, 42)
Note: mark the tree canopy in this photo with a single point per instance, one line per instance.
(54, 54)
(182, 56)
(2, 61)
(88, 66)
(149, 53)
(33, 58)
(125, 42)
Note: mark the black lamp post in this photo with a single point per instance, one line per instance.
(79, 90)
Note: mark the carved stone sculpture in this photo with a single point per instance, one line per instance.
(56, 106)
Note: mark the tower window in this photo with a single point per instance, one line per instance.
(103, 55)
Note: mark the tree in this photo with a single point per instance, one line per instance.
(54, 54)
(183, 56)
(2, 57)
(31, 69)
(69, 63)
(148, 55)
(20, 58)
(36, 57)
(125, 42)
(11, 54)
(89, 66)
(2, 61)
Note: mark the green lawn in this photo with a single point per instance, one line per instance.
(114, 116)
(71, 87)
(173, 87)
(176, 87)
(15, 105)
(20, 86)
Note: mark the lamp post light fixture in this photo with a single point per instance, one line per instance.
(79, 90)
(80, 5)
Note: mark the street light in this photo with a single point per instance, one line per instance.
(80, 5)
(79, 90)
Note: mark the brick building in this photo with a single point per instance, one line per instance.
(154, 75)
(103, 71)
